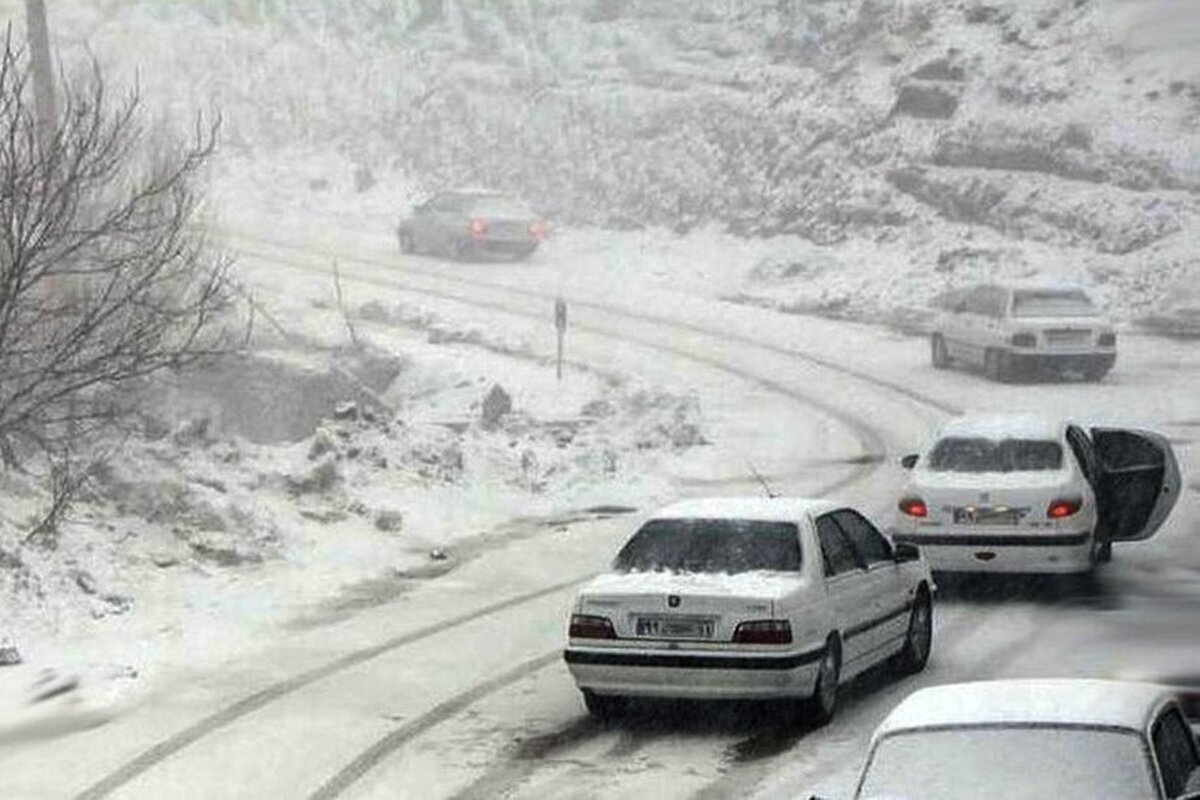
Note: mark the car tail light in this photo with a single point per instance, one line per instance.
(764, 631)
(914, 507)
(1107, 340)
(1023, 340)
(1064, 507)
(584, 626)
(537, 230)
(478, 227)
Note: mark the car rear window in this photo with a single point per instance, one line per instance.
(1053, 303)
(500, 207)
(963, 454)
(730, 546)
(1017, 763)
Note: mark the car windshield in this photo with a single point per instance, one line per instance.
(1015, 763)
(500, 207)
(1053, 303)
(731, 546)
(969, 454)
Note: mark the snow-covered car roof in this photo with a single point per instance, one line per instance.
(1061, 701)
(1048, 283)
(1003, 426)
(758, 508)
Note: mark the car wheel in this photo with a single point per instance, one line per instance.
(407, 245)
(1094, 375)
(406, 241)
(996, 366)
(938, 352)
(918, 642)
(1102, 552)
(459, 249)
(602, 707)
(821, 707)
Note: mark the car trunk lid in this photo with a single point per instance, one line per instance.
(664, 607)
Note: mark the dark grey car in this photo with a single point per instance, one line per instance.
(467, 223)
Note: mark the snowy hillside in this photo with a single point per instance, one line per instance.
(978, 137)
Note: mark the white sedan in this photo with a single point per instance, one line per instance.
(749, 599)
(1020, 493)
(1017, 739)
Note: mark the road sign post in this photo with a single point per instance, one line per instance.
(560, 324)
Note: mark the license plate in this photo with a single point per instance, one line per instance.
(987, 516)
(1068, 338)
(675, 628)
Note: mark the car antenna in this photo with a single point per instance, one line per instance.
(766, 486)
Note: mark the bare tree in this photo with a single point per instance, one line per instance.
(103, 277)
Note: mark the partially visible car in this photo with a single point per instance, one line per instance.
(1065, 739)
(1022, 493)
(471, 222)
(1012, 330)
(748, 598)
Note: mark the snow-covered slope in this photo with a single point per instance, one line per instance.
(938, 141)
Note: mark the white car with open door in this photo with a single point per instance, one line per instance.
(1022, 493)
(749, 598)
(1034, 739)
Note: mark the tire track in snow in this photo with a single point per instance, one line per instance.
(384, 747)
(276, 691)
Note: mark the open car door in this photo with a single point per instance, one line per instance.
(1137, 483)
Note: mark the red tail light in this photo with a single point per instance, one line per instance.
(1064, 507)
(478, 227)
(764, 631)
(537, 230)
(914, 507)
(584, 626)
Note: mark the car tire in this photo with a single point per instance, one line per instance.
(939, 355)
(1095, 375)
(918, 640)
(822, 705)
(603, 707)
(1103, 553)
(996, 366)
(459, 249)
(407, 245)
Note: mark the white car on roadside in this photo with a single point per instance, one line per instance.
(1027, 494)
(1010, 330)
(749, 598)
(1031, 740)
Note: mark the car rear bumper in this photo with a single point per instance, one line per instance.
(1069, 361)
(509, 247)
(1049, 553)
(694, 675)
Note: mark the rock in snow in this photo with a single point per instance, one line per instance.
(496, 405)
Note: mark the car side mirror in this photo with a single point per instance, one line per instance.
(909, 461)
(905, 552)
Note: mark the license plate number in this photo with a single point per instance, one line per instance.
(987, 516)
(675, 628)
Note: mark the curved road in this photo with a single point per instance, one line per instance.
(457, 689)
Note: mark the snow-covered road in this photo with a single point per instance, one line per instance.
(456, 688)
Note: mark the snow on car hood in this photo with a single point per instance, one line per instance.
(765, 585)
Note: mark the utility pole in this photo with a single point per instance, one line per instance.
(43, 69)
